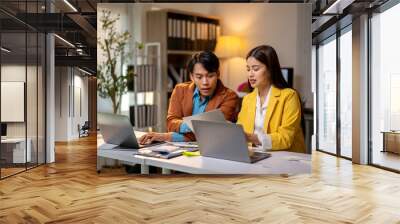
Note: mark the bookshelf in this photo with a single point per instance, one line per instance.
(144, 112)
(180, 34)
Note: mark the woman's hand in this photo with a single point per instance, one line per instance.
(154, 136)
(253, 138)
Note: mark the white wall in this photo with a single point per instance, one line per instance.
(16, 72)
(67, 115)
(33, 127)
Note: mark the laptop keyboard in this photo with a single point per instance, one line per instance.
(257, 156)
(151, 144)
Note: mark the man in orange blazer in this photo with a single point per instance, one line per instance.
(206, 92)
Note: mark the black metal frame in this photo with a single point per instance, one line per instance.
(389, 4)
(339, 32)
(317, 95)
(380, 9)
(44, 79)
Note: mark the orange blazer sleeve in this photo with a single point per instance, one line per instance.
(229, 106)
(175, 112)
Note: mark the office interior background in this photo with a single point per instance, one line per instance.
(48, 88)
(48, 82)
(237, 28)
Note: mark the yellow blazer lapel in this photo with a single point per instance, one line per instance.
(273, 101)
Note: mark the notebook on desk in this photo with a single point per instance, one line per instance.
(166, 151)
(162, 155)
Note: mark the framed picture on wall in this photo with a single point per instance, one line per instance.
(12, 101)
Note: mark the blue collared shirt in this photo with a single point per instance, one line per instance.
(199, 106)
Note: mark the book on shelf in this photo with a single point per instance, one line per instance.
(191, 33)
(145, 78)
(146, 115)
(174, 74)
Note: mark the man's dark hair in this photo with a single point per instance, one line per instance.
(208, 59)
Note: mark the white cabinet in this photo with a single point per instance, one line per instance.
(16, 147)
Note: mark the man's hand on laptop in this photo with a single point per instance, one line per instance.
(154, 136)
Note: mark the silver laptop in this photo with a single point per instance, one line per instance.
(117, 130)
(223, 140)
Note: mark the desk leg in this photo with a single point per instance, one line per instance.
(144, 169)
(166, 171)
(100, 163)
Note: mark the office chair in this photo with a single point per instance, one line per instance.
(84, 130)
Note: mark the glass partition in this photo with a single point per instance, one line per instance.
(14, 145)
(385, 89)
(327, 95)
(346, 93)
(22, 77)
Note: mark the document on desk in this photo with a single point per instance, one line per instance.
(213, 115)
(159, 154)
(184, 144)
(165, 151)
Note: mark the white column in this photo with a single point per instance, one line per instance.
(50, 101)
(360, 90)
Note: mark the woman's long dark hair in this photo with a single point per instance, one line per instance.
(267, 55)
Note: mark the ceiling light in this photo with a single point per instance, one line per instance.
(70, 5)
(65, 41)
(5, 50)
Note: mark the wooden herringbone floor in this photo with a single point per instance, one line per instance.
(70, 191)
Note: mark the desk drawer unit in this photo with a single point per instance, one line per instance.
(14, 152)
(391, 142)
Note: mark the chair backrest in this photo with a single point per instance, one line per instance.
(86, 125)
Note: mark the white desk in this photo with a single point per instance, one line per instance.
(281, 162)
(109, 151)
(19, 154)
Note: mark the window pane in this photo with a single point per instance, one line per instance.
(385, 84)
(345, 94)
(327, 96)
(31, 96)
(41, 98)
(15, 150)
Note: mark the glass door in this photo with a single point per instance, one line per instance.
(385, 89)
(345, 59)
(22, 77)
(326, 96)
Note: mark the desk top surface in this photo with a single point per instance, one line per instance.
(280, 162)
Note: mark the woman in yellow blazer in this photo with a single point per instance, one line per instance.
(271, 113)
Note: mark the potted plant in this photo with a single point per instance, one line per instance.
(112, 44)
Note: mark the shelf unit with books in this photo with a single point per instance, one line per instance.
(144, 88)
(181, 34)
